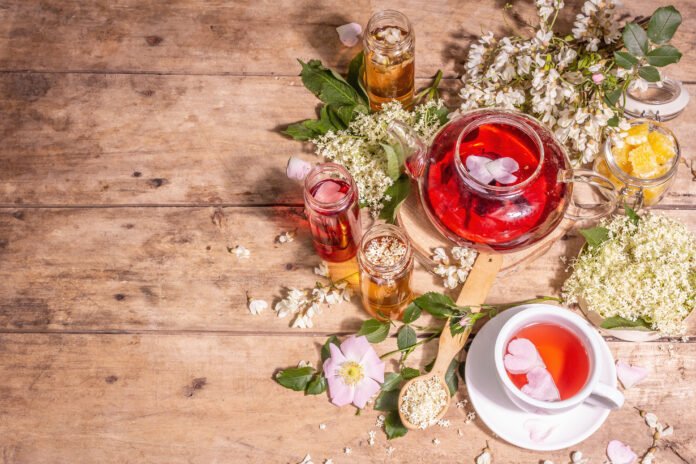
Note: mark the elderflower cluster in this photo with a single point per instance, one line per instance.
(359, 148)
(454, 274)
(550, 77)
(307, 303)
(645, 271)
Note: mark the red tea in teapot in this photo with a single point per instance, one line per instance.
(499, 192)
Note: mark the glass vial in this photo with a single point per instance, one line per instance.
(331, 205)
(390, 46)
(385, 260)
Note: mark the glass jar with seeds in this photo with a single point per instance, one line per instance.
(389, 43)
(385, 258)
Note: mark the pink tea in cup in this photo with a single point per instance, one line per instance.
(547, 362)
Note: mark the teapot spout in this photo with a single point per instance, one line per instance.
(412, 147)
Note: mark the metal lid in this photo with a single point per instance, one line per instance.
(661, 101)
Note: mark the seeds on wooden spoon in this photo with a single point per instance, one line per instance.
(423, 402)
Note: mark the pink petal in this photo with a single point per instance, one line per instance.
(598, 78)
(498, 169)
(540, 385)
(364, 391)
(333, 363)
(297, 168)
(630, 375)
(619, 453)
(474, 162)
(508, 164)
(354, 348)
(523, 356)
(340, 393)
(538, 430)
(349, 34)
(374, 367)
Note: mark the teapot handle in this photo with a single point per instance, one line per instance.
(601, 183)
(413, 148)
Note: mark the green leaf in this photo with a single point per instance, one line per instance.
(635, 39)
(392, 380)
(663, 24)
(437, 304)
(406, 337)
(632, 215)
(398, 192)
(613, 121)
(461, 370)
(328, 85)
(355, 73)
(455, 327)
(374, 330)
(625, 60)
(409, 373)
(295, 378)
(617, 322)
(613, 96)
(394, 161)
(595, 236)
(388, 400)
(664, 55)
(325, 351)
(335, 119)
(316, 386)
(299, 131)
(649, 73)
(411, 314)
(451, 377)
(393, 426)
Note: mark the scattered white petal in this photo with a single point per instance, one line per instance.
(297, 169)
(390, 450)
(347, 450)
(307, 460)
(322, 426)
(240, 252)
(630, 375)
(256, 306)
(349, 34)
(620, 453)
(322, 270)
(484, 458)
(379, 423)
(651, 420)
(286, 237)
(538, 430)
(576, 457)
(371, 437)
(436, 441)
(667, 431)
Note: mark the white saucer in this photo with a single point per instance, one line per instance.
(508, 421)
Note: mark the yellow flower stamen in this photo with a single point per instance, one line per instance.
(351, 372)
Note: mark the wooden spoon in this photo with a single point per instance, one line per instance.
(474, 293)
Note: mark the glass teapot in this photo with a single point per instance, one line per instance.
(497, 179)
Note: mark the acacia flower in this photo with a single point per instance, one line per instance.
(354, 372)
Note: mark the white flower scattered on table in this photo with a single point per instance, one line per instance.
(286, 237)
(240, 252)
(322, 270)
(349, 34)
(306, 460)
(485, 457)
(572, 84)
(347, 450)
(306, 304)
(576, 458)
(353, 372)
(454, 270)
(255, 305)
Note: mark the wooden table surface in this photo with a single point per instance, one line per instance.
(140, 140)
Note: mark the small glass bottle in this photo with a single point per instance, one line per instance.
(639, 192)
(385, 260)
(390, 46)
(331, 205)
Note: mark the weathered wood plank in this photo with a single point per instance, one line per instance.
(201, 399)
(249, 37)
(144, 269)
(117, 139)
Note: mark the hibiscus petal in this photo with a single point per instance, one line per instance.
(349, 34)
(297, 168)
(374, 367)
(364, 391)
(354, 348)
(619, 453)
(540, 385)
(340, 393)
(538, 430)
(630, 375)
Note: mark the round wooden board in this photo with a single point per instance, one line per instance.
(425, 237)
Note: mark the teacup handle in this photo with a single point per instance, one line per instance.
(605, 186)
(606, 396)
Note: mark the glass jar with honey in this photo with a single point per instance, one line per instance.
(390, 45)
(642, 163)
(385, 259)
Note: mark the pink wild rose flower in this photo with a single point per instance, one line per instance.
(354, 372)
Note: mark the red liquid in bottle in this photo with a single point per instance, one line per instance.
(506, 220)
(563, 353)
(335, 232)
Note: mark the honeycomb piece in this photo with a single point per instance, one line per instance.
(621, 157)
(637, 135)
(663, 146)
(644, 162)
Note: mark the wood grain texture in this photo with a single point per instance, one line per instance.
(252, 37)
(147, 269)
(126, 139)
(210, 398)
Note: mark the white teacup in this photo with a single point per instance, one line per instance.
(593, 392)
